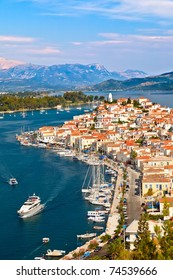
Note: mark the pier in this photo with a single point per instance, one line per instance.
(113, 217)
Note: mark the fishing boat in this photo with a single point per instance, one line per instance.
(31, 207)
(86, 235)
(13, 181)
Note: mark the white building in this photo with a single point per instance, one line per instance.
(110, 99)
(131, 231)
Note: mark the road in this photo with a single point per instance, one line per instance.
(133, 196)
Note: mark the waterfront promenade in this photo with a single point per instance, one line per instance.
(113, 217)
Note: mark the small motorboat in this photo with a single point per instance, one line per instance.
(45, 239)
(86, 235)
(13, 181)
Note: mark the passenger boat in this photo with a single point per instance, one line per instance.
(55, 253)
(31, 207)
(13, 181)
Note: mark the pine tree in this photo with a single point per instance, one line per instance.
(145, 249)
(166, 242)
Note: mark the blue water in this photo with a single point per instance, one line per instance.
(56, 180)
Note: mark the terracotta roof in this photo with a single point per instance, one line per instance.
(166, 199)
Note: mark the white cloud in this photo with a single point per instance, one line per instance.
(16, 39)
(125, 9)
(131, 38)
(77, 43)
(43, 51)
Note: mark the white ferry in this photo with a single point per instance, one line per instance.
(31, 207)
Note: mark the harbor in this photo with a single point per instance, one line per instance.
(50, 171)
(53, 178)
(101, 200)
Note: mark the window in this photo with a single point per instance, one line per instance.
(150, 186)
(146, 186)
(157, 186)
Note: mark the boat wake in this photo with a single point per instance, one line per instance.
(53, 206)
(34, 251)
(5, 173)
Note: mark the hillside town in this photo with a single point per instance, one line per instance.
(135, 136)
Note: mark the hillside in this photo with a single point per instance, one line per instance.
(163, 82)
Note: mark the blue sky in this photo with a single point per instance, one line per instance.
(120, 34)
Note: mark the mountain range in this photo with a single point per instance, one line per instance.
(17, 76)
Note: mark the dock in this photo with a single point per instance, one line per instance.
(113, 217)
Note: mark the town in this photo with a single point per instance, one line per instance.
(135, 138)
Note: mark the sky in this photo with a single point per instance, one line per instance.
(119, 34)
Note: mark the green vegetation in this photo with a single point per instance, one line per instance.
(15, 102)
(147, 247)
(133, 154)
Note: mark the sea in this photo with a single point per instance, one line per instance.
(57, 180)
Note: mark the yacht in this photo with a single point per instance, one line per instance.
(31, 207)
(13, 181)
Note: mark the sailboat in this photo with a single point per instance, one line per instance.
(67, 109)
(1, 116)
(94, 188)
